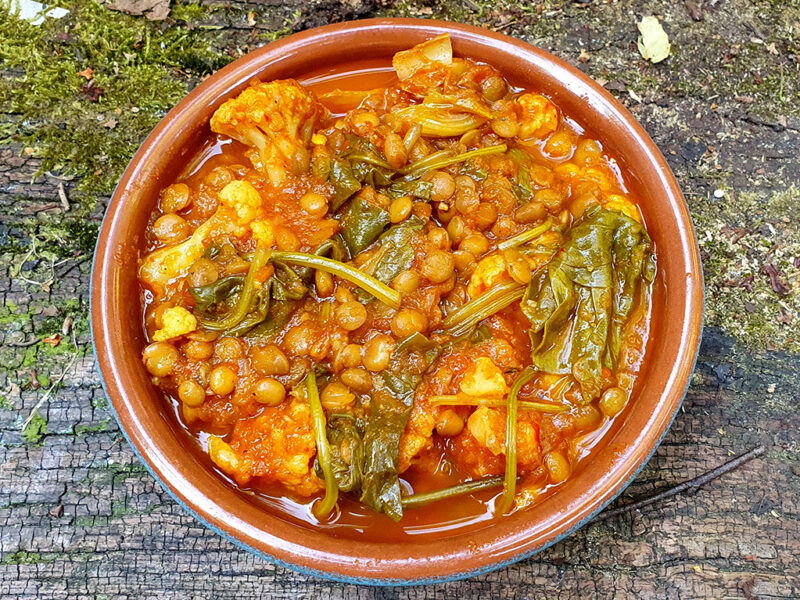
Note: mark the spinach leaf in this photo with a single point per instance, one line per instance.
(415, 187)
(209, 297)
(347, 453)
(362, 222)
(344, 183)
(277, 317)
(287, 284)
(580, 302)
(396, 251)
(257, 315)
(389, 410)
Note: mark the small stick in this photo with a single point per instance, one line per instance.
(23, 344)
(49, 391)
(62, 196)
(691, 486)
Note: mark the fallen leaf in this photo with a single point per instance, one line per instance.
(774, 275)
(653, 43)
(584, 56)
(88, 73)
(772, 49)
(92, 92)
(110, 124)
(53, 340)
(56, 512)
(251, 18)
(153, 10)
(616, 86)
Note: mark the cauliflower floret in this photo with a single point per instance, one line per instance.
(164, 264)
(263, 232)
(176, 321)
(239, 213)
(537, 116)
(484, 379)
(225, 458)
(276, 118)
(489, 272)
(243, 199)
(488, 427)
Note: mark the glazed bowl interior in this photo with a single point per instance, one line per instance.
(319, 57)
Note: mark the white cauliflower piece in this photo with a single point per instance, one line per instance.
(176, 321)
(489, 272)
(484, 379)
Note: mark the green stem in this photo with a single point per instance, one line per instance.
(368, 158)
(324, 508)
(439, 160)
(245, 301)
(502, 295)
(417, 500)
(510, 485)
(525, 236)
(411, 137)
(455, 400)
(380, 290)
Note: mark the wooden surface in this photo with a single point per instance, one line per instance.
(81, 518)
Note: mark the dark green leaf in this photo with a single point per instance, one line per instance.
(389, 410)
(580, 302)
(257, 315)
(396, 251)
(344, 183)
(287, 283)
(362, 223)
(347, 452)
(415, 187)
(223, 291)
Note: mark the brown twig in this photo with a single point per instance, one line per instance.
(691, 486)
(23, 344)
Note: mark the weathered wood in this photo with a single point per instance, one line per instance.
(81, 518)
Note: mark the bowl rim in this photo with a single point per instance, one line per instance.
(310, 564)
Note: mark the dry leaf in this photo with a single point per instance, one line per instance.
(654, 42)
(54, 340)
(153, 10)
(88, 73)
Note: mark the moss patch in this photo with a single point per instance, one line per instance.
(35, 430)
(740, 246)
(78, 78)
(22, 557)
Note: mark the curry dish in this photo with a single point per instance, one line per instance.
(388, 300)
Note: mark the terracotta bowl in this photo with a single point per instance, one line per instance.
(145, 418)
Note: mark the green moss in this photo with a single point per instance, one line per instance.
(190, 12)
(35, 430)
(100, 402)
(736, 242)
(22, 557)
(96, 428)
(6, 402)
(29, 357)
(133, 60)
